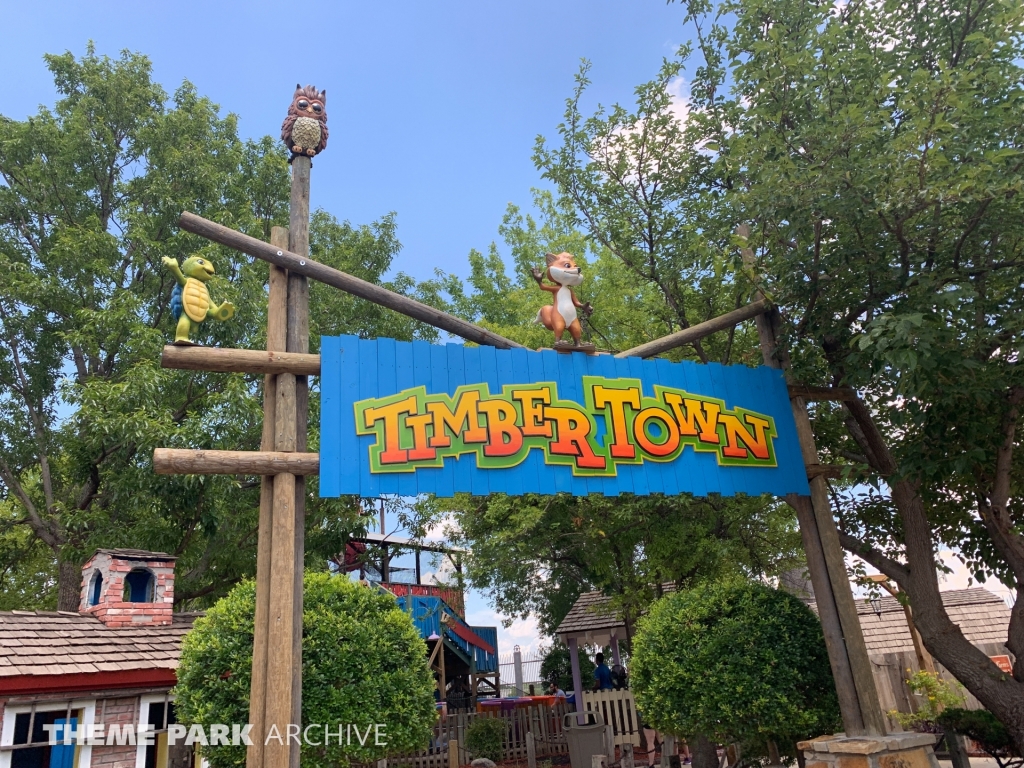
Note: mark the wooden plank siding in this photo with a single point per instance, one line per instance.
(891, 671)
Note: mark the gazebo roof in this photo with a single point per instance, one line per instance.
(981, 615)
(593, 620)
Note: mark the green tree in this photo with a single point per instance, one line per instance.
(536, 554)
(91, 191)
(878, 152)
(557, 666)
(88, 206)
(635, 181)
(363, 664)
(883, 158)
(736, 662)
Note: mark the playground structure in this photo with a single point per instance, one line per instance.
(458, 653)
(284, 461)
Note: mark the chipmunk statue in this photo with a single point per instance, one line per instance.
(561, 314)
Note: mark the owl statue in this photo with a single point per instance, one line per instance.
(305, 128)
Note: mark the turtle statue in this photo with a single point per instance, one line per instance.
(190, 301)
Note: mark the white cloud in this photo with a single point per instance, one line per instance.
(679, 94)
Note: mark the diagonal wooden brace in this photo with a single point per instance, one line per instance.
(303, 265)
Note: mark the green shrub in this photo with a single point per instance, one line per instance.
(934, 694)
(363, 663)
(735, 662)
(982, 726)
(485, 737)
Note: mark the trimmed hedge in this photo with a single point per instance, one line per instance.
(736, 662)
(363, 663)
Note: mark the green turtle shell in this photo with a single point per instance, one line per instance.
(196, 299)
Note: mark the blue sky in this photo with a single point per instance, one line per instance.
(433, 107)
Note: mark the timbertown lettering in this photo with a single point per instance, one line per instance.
(615, 424)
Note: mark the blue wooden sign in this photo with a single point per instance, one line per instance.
(411, 417)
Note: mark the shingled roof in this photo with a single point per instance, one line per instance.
(593, 612)
(35, 643)
(136, 554)
(982, 616)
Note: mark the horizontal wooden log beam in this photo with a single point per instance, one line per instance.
(177, 461)
(822, 393)
(697, 332)
(239, 360)
(335, 278)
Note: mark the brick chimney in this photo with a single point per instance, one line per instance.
(128, 587)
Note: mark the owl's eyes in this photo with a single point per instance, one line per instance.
(303, 104)
(317, 108)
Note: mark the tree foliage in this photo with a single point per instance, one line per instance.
(736, 662)
(878, 153)
(537, 554)
(557, 666)
(363, 664)
(485, 737)
(983, 727)
(91, 192)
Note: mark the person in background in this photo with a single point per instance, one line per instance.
(602, 675)
(555, 691)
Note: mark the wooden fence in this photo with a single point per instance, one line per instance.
(891, 671)
(545, 723)
(618, 709)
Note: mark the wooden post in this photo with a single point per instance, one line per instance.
(453, 753)
(957, 750)
(925, 663)
(185, 461)
(531, 751)
(851, 666)
(577, 680)
(828, 614)
(298, 342)
(627, 755)
(668, 748)
(442, 680)
(276, 340)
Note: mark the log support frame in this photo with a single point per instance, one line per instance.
(276, 679)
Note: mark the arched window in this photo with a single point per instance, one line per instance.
(138, 586)
(96, 588)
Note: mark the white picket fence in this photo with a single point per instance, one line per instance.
(618, 709)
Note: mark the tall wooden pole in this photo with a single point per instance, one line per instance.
(298, 341)
(276, 340)
(276, 695)
(848, 655)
